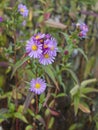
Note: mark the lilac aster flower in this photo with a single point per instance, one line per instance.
(39, 37)
(46, 59)
(1, 19)
(48, 36)
(43, 47)
(33, 48)
(23, 10)
(51, 46)
(84, 27)
(37, 86)
(82, 34)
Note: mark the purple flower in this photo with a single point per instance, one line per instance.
(46, 59)
(39, 37)
(1, 19)
(23, 10)
(37, 86)
(84, 27)
(33, 48)
(43, 47)
(48, 36)
(51, 46)
(82, 34)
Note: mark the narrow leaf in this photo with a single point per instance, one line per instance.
(21, 117)
(76, 103)
(60, 95)
(27, 101)
(88, 90)
(82, 52)
(50, 72)
(29, 127)
(89, 81)
(51, 121)
(55, 24)
(84, 108)
(38, 117)
(19, 64)
(53, 112)
(74, 90)
(89, 65)
(68, 39)
(73, 75)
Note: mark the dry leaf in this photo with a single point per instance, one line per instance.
(55, 24)
(84, 108)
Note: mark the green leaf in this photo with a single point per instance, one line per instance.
(1, 120)
(39, 11)
(42, 1)
(51, 123)
(29, 97)
(40, 118)
(73, 127)
(6, 95)
(42, 98)
(19, 64)
(5, 116)
(49, 70)
(60, 95)
(50, 9)
(31, 112)
(20, 116)
(89, 81)
(88, 90)
(82, 52)
(11, 107)
(74, 90)
(76, 103)
(96, 125)
(68, 39)
(90, 64)
(20, 108)
(29, 127)
(73, 75)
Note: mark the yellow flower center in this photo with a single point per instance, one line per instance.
(22, 10)
(37, 85)
(37, 37)
(34, 47)
(46, 55)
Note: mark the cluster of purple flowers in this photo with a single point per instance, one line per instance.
(22, 9)
(37, 86)
(83, 29)
(43, 47)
